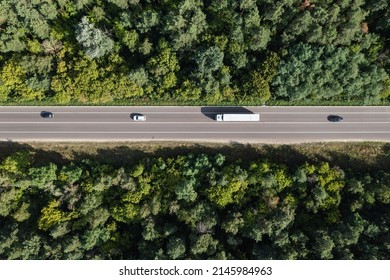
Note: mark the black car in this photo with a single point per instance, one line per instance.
(46, 114)
(335, 118)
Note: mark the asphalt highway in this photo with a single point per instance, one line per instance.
(277, 124)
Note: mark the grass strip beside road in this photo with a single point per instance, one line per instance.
(367, 156)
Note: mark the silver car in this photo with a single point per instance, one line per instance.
(139, 117)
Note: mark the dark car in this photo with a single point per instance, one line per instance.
(335, 118)
(46, 114)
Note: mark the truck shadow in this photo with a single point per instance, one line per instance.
(212, 111)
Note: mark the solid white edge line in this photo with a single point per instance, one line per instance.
(192, 132)
(197, 113)
(189, 122)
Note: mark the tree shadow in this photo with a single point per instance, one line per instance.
(358, 163)
(212, 111)
(384, 159)
(285, 154)
(40, 157)
(346, 162)
(116, 157)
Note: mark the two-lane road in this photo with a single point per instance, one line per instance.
(277, 124)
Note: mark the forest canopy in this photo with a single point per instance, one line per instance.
(194, 51)
(194, 206)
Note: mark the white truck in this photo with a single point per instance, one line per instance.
(238, 117)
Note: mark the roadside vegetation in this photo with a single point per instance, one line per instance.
(192, 201)
(195, 52)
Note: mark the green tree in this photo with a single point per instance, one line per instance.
(51, 215)
(94, 42)
(185, 190)
(21, 19)
(258, 88)
(176, 248)
(16, 163)
(185, 23)
(147, 20)
(30, 249)
(326, 184)
(150, 231)
(163, 68)
(94, 238)
(122, 3)
(8, 239)
(43, 177)
(326, 23)
(129, 38)
(233, 223)
(203, 244)
(188, 90)
(230, 188)
(327, 73)
(73, 248)
(208, 61)
(22, 213)
(14, 82)
(323, 245)
(202, 218)
(126, 212)
(10, 201)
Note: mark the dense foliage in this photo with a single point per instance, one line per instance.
(253, 51)
(195, 206)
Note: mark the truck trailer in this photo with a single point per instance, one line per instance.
(238, 117)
